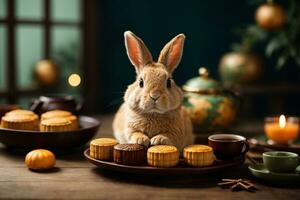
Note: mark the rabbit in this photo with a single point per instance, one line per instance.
(152, 113)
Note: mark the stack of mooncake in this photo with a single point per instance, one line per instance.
(58, 120)
(51, 121)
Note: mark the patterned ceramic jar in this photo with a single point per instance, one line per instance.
(210, 107)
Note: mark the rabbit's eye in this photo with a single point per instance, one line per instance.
(168, 83)
(141, 83)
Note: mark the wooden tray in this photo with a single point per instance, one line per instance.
(260, 143)
(23, 139)
(180, 169)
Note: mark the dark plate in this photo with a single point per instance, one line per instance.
(21, 139)
(260, 142)
(180, 169)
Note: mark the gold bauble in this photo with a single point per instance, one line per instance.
(240, 68)
(46, 72)
(270, 16)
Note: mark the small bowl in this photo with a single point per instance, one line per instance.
(280, 161)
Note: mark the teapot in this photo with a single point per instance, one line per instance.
(55, 102)
(209, 105)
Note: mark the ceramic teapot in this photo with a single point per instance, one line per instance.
(210, 106)
(56, 102)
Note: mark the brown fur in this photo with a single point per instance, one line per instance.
(143, 120)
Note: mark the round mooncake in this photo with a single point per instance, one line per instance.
(102, 148)
(198, 155)
(73, 120)
(61, 114)
(20, 122)
(55, 114)
(20, 112)
(163, 156)
(55, 124)
(129, 154)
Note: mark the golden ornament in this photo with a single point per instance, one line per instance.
(46, 72)
(240, 68)
(270, 16)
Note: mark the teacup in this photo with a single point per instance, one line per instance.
(280, 161)
(228, 146)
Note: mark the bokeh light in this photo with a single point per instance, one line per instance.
(74, 80)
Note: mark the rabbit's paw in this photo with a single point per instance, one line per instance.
(160, 139)
(140, 139)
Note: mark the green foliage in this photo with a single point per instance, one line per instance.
(282, 45)
(250, 36)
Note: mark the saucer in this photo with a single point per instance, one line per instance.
(261, 172)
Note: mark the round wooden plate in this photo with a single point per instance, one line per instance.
(180, 169)
(23, 139)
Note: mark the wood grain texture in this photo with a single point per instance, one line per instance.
(75, 178)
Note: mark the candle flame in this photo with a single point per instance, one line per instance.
(282, 121)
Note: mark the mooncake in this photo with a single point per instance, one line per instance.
(20, 112)
(20, 122)
(61, 114)
(73, 120)
(102, 148)
(129, 154)
(198, 155)
(163, 156)
(55, 125)
(55, 114)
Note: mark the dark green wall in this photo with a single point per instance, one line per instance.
(207, 25)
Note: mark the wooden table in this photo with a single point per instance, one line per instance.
(75, 178)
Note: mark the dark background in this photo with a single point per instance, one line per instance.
(209, 29)
(207, 25)
(86, 37)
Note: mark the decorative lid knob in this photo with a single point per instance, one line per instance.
(203, 72)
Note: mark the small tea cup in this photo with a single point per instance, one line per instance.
(280, 161)
(228, 146)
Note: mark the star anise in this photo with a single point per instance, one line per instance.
(238, 184)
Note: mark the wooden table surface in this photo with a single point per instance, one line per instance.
(75, 178)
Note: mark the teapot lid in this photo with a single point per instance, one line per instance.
(202, 84)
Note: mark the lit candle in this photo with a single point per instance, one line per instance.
(281, 130)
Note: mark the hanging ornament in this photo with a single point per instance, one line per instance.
(46, 72)
(270, 16)
(240, 68)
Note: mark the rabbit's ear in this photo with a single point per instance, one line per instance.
(171, 54)
(138, 53)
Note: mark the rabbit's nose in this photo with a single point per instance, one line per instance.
(154, 99)
(154, 96)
